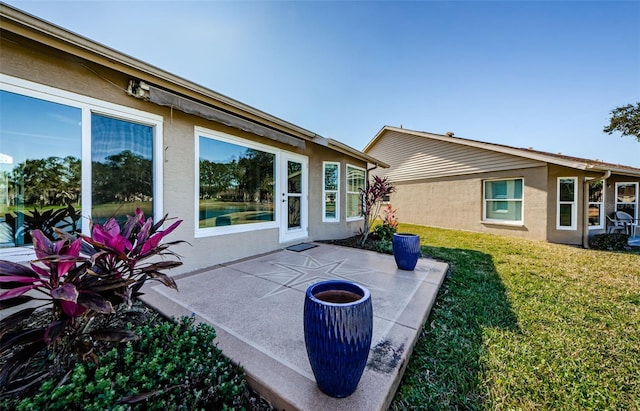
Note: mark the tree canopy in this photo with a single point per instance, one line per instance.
(626, 120)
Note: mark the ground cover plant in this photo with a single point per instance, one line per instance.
(521, 324)
(173, 365)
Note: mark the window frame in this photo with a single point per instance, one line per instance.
(326, 219)
(347, 192)
(573, 204)
(636, 203)
(240, 228)
(485, 201)
(89, 106)
(601, 223)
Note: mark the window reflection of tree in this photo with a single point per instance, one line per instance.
(40, 194)
(595, 191)
(51, 181)
(294, 212)
(250, 179)
(123, 177)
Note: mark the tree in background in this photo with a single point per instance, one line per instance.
(626, 120)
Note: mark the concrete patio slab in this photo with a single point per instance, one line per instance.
(256, 307)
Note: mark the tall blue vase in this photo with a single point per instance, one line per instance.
(338, 325)
(406, 250)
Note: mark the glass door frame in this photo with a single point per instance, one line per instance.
(291, 234)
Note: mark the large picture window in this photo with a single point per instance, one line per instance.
(65, 156)
(235, 183)
(355, 183)
(331, 192)
(503, 200)
(567, 211)
(596, 204)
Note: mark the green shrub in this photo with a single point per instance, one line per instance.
(384, 246)
(609, 242)
(389, 226)
(384, 232)
(174, 366)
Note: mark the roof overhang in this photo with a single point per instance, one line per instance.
(345, 149)
(31, 27)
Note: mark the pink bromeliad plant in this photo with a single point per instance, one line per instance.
(79, 279)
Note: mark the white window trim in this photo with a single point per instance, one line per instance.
(230, 229)
(346, 186)
(637, 202)
(325, 219)
(601, 224)
(88, 106)
(573, 204)
(518, 223)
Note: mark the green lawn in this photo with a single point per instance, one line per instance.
(521, 325)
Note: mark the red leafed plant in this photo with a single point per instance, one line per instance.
(80, 279)
(372, 197)
(389, 217)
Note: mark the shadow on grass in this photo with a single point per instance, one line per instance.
(445, 370)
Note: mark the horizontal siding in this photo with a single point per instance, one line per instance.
(415, 157)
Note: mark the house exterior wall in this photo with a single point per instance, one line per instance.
(440, 183)
(575, 237)
(569, 236)
(456, 203)
(26, 59)
(610, 191)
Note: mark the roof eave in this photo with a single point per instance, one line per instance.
(579, 165)
(345, 149)
(614, 170)
(29, 26)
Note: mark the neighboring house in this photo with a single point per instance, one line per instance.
(81, 123)
(450, 182)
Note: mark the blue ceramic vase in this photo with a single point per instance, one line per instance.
(406, 250)
(338, 325)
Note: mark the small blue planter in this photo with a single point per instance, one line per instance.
(338, 325)
(406, 250)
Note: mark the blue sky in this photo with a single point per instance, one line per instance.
(541, 74)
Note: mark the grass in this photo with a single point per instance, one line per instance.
(526, 325)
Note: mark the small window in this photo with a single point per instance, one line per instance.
(627, 198)
(355, 185)
(567, 215)
(331, 192)
(596, 204)
(503, 200)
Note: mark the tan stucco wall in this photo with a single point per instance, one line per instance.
(564, 236)
(456, 202)
(27, 60)
(576, 236)
(610, 190)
